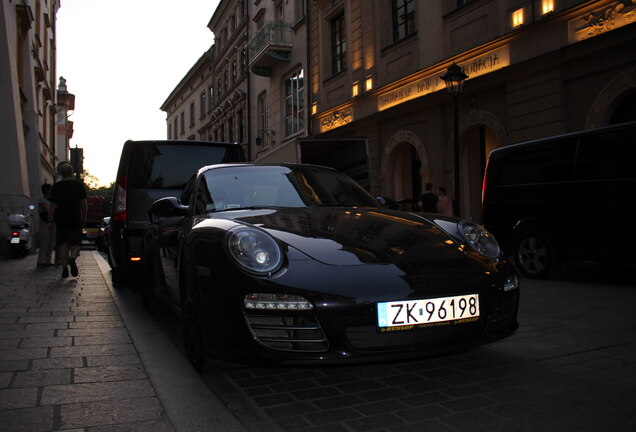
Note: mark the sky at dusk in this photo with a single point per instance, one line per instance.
(122, 59)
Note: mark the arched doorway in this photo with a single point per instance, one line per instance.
(480, 133)
(404, 167)
(615, 102)
(625, 109)
(477, 142)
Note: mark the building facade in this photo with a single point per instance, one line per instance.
(189, 107)
(535, 68)
(357, 84)
(28, 123)
(278, 62)
(230, 112)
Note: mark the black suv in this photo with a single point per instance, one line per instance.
(569, 197)
(149, 170)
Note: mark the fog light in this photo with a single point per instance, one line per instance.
(511, 283)
(271, 301)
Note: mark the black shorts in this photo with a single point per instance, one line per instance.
(68, 234)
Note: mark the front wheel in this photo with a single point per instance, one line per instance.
(534, 255)
(192, 322)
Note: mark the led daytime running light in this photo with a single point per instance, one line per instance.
(266, 301)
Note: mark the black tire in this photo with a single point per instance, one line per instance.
(192, 320)
(534, 255)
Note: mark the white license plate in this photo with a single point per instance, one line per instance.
(409, 314)
(15, 240)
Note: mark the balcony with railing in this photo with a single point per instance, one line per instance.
(271, 45)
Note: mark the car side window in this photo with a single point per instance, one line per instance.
(202, 199)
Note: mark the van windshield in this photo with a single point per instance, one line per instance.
(171, 165)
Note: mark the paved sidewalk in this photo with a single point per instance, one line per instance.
(76, 355)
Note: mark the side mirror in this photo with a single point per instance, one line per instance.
(167, 208)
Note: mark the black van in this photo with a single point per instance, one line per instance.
(569, 197)
(149, 170)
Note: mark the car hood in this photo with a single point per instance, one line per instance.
(356, 236)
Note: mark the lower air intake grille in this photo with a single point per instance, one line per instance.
(288, 333)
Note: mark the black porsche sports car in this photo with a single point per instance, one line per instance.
(298, 263)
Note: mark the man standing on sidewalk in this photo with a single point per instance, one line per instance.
(68, 210)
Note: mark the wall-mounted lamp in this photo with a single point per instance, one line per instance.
(547, 6)
(265, 135)
(368, 83)
(517, 18)
(355, 89)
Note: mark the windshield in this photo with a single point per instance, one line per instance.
(249, 186)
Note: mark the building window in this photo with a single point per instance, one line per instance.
(182, 118)
(175, 131)
(300, 9)
(230, 129)
(338, 45)
(202, 105)
(210, 98)
(403, 18)
(243, 61)
(233, 71)
(241, 125)
(219, 88)
(191, 114)
(261, 117)
(295, 103)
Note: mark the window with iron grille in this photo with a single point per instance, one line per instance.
(403, 18)
(295, 103)
(338, 44)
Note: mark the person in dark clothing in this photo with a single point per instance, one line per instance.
(68, 210)
(428, 201)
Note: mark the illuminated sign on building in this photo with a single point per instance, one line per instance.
(336, 119)
(601, 21)
(474, 67)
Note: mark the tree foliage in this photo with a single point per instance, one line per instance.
(93, 186)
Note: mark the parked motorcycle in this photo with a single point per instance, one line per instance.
(19, 238)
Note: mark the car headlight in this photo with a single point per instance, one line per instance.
(480, 239)
(254, 250)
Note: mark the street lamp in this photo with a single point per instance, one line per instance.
(454, 78)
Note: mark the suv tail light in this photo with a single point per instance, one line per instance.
(119, 199)
(484, 185)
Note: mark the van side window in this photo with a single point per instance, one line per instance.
(541, 163)
(609, 155)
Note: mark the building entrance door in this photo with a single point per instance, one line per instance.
(477, 142)
(404, 175)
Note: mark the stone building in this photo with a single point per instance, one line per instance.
(28, 124)
(535, 68)
(189, 106)
(228, 119)
(278, 62)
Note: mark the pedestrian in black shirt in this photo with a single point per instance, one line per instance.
(68, 209)
(428, 201)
